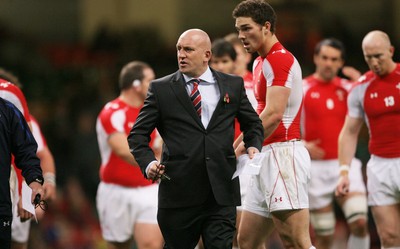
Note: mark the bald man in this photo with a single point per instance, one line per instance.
(194, 109)
(375, 100)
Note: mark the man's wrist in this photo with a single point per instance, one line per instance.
(344, 169)
(38, 179)
(251, 147)
(49, 178)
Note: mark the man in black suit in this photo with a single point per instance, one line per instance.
(198, 198)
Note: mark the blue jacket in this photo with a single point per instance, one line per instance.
(15, 139)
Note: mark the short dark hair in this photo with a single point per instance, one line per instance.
(221, 47)
(233, 39)
(331, 42)
(131, 72)
(259, 11)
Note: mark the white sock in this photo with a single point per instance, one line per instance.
(234, 247)
(358, 242)
(312, 247)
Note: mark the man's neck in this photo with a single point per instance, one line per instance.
(130, 98)
(320, 78)
(268, 44)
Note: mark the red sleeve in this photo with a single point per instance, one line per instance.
(13, 94)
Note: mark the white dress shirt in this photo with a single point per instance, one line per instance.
(209, 92)
(210, 95)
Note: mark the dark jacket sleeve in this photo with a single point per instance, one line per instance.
(23, 145)
(139, 136)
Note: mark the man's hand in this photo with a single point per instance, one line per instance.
(49, 192)
(22, 213)
(343, 185)
(252, 151)
(152, 170)
(351, 73)
(156, 172)
(37, 188)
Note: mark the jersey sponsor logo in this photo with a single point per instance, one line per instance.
(6, 223)
(315, 95)
(278, 199)
(340, 94)
(398, 85)
(373, 95)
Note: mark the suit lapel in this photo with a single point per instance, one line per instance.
(178, 87)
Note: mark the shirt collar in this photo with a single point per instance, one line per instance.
(207, 76)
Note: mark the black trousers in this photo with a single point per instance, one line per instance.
(5, 232)
(183, 227)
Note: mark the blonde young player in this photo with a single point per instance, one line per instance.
(278, 194)
(324, 111)
(126, 201)
(375, 100)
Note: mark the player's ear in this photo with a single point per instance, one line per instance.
(266, 27)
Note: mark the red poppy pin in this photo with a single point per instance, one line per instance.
(226, 98)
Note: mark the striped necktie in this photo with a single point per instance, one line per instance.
(196, 97)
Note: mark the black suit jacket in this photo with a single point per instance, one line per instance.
(198, 160)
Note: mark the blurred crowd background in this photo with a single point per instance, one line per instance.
(68, 54)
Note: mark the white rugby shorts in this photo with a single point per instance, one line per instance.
(324, 179)
(119, 208)
(19, 230)
(282, 183)
(383, 181)
(244, 183)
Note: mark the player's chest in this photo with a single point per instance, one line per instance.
(331, 99)
(382, 98)
(260, 83)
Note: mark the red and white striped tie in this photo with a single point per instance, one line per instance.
(196, 97)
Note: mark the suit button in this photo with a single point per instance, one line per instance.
(208, 159)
